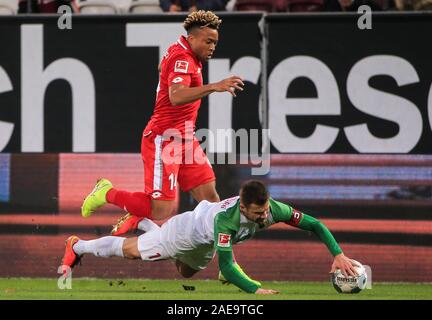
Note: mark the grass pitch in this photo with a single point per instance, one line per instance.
(132, 289)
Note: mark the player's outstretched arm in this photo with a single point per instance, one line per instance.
(180, 94)
(285, 213)
(340, 261)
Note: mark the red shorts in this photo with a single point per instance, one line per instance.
(171, 161)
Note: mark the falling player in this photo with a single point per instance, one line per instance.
(192, 238)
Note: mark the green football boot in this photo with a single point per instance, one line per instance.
(96, 198)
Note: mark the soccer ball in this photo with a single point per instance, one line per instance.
(350, 284)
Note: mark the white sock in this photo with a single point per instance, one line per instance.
(103, 247)
(146, 225)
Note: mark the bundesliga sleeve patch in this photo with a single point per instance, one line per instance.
(224, 240)
(295, 218)
(181, 66)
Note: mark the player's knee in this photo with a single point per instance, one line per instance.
(162, 209)
(185, 270)
(205, 193)
(187, 274)
(213, 197)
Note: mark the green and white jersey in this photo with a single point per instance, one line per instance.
(221, 217)
(231, 224)
(222, 224)
(231, 227)
(216, 227)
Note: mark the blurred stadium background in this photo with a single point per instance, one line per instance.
(73, 104)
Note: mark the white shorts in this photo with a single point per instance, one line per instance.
(173, 240)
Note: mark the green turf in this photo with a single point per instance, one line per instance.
(17, 288)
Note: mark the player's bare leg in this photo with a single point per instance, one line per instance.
(206, 191)
(184, 269)
(162, 209)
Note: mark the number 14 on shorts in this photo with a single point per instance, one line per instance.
(173, 181)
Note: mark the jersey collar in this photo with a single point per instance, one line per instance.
(185, 45)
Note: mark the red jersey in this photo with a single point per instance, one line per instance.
(179, 66)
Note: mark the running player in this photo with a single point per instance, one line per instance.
(178, 100)
(192, 238)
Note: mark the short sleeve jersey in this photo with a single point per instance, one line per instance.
(179, 65)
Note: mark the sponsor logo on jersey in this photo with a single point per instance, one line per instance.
(295, 218)
(181, 66)
(178, 79)
(156, 194)
(228, 201)
(224, 240)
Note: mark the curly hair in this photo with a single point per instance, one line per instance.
(202, 19)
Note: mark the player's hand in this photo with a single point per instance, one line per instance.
(266, 291)
(230, 85)
(345, 264)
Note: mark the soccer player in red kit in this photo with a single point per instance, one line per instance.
(178, 100)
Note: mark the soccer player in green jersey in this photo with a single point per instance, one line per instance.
(193, 238)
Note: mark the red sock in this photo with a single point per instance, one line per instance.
(137, 203)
